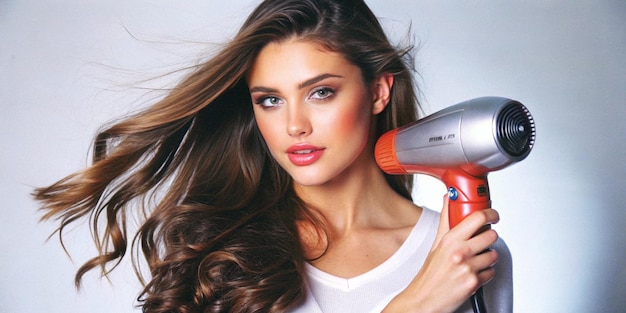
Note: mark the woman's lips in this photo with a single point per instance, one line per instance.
(304, 154)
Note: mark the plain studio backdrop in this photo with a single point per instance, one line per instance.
(67, 67)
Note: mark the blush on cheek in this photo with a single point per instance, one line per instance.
(346, 125)
(348, 122)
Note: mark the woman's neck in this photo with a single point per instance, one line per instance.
(358, 198)
(366, 221)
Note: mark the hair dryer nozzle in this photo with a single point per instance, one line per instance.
(385, 153)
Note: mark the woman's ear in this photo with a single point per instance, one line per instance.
(382, 92)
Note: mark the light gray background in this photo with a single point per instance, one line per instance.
(66, 67)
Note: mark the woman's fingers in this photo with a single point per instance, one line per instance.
(473, 271)
(490, 259)
(475, 222)
(475, 252)
(444, 224)
(482, 241)
(485, 260)
(483, 264)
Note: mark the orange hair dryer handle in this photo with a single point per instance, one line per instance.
(467, 194)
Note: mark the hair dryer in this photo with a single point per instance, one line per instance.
(460, 145)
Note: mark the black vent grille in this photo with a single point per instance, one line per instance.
(515, 129)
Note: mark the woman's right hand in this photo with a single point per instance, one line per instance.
(458, 264)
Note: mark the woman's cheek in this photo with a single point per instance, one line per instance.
(267, 132)
(350, 121)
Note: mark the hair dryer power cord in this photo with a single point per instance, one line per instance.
(478, 301)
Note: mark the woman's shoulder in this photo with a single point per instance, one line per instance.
(429, 213)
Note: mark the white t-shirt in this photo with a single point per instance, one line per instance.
(373, 290)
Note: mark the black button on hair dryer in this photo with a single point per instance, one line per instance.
(460, 145)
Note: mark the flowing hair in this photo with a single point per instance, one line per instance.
(220, 232)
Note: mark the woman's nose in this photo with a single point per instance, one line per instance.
(298, 123)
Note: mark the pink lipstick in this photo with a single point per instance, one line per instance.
(304, 154)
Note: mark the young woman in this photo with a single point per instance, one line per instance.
(259, 187)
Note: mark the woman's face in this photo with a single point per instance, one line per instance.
(312, 108)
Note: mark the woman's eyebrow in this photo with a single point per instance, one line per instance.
(262, 89)
(316, 79)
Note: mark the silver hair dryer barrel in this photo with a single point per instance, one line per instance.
(479, 135)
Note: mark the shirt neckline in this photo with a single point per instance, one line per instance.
(408, 247)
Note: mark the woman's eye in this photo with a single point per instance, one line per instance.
(268, 102)
(322, 93)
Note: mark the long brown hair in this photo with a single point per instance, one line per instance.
(219, 230)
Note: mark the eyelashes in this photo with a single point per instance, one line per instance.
(322, 93)
(268, 101)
